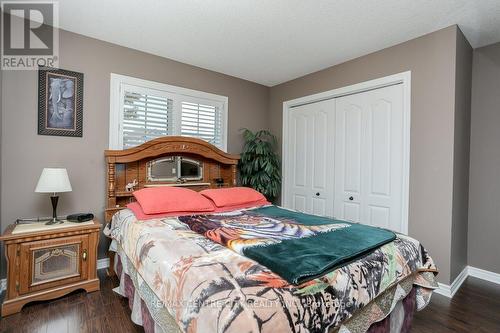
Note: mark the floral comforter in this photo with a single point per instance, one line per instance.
(209, 288)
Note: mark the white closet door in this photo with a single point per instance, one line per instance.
(310, 158)
(369, 151)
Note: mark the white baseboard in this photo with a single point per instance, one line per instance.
(3, 285)
(101, 264)
(484, 275)
(450, 290)
(443, 289)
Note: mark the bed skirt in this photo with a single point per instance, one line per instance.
(140, 314)
(147, 310)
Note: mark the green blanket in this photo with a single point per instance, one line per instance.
(298, 247)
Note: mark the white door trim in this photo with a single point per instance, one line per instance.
(405, 79)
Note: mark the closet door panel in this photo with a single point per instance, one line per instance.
(368, 179)
(298, 149)
(320, 159)
(319, 207)
(348, 153)
(299, 202)
(352, 148)
(311, 157)
(380, 148)
(385, 157)
(378, 160)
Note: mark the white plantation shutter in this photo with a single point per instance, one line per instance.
(202, 120)
(143, 110)
(145, 117)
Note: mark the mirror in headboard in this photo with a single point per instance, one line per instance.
(162, 169)
(190, 169)
(166, 161)
(174, 168)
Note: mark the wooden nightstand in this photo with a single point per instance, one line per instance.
(49, 263)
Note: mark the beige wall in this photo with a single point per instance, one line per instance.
(431, 59)
(24, 153)
(484, 203)
(461, 153)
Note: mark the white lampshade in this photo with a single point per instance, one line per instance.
(53, 180)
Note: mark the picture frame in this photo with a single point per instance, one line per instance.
(60, 102)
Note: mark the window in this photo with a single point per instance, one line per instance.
(143, 110)
(146, 116)
(202, 121)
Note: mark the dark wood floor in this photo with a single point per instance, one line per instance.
(475, 308)
(100, 311)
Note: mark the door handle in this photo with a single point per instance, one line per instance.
(84, 255)
(351, 198)
(317, 194)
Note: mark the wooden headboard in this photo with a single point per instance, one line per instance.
(125, 166)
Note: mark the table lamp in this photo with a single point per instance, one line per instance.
(53, 180)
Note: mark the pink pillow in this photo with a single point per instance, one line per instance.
(242, 206)
(136, 208)
(233, 196)
(156, 200)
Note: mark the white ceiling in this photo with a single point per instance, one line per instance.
(273, 41)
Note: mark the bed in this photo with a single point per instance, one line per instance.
(179, 280)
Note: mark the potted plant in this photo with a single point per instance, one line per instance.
(259, 164)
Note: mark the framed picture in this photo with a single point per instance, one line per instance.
(60, 102)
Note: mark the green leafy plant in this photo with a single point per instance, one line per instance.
(259, 164)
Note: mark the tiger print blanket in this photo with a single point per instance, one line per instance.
(296, 246)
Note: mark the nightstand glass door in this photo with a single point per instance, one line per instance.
(54, 262)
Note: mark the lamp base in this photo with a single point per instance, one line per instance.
(53, 199)
(54, 221)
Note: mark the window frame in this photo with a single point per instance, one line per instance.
(178, 94)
